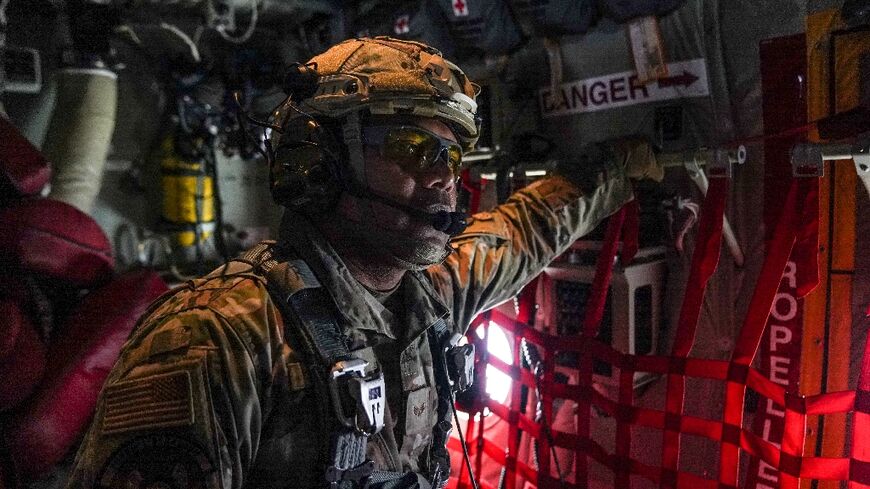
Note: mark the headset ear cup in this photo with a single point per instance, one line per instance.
(304, 177)
(285, 184)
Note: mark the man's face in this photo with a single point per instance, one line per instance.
(430, 188)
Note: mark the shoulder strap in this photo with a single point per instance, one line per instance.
(454, 372)
(307, 307)
(439, 463)
(292, 284)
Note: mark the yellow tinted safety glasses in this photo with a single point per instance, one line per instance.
(413, 148)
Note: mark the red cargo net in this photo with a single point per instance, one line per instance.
(672, 422)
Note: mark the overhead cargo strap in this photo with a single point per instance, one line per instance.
(704, 262)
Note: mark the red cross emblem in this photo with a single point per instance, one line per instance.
(402, 25)
(460, 8)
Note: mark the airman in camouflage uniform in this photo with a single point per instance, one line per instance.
(208, 391)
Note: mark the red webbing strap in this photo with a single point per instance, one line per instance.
(779, 354)
(513, 444)
(859, 465)
(630, 232)
(544, 447)
(627, 369)
(594, 309)
(525, 314)
(806, 248)
(475, 190)
(526, 303)
(482, 344)
(778, 254)
(771, 274)
(705, 258)
(783, 420)
(622, 461)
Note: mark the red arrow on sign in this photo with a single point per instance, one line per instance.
(686, 80)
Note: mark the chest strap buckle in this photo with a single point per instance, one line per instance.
(359, 474)
(358, 398)
(460, 364)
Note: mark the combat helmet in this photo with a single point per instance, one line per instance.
(318, 151)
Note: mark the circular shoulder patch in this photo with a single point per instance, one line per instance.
(159, 461)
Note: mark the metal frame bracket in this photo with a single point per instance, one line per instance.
(861, 156)
(721, 162)
(720, 165)
(807, 161)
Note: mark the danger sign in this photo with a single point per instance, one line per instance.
(687, 79)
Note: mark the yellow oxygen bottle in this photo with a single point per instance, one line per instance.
(188, 199)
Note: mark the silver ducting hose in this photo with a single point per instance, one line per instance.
(78, 137)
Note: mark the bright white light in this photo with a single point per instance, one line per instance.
(498, 383)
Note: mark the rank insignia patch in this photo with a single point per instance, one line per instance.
(156, 401)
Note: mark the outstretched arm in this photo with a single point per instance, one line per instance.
(504, 249)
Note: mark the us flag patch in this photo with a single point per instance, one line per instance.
(157, 401)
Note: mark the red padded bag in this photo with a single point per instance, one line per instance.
(81, 356)
(23, 367)
(56, 240)
(23, 169)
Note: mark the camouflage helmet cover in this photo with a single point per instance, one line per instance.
(388, 76)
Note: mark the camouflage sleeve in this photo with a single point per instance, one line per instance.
(184, 403)
(504, 249)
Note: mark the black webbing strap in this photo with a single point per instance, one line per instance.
(455, 374)
(439, 457)
(305, 305)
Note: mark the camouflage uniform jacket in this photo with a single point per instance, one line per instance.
(208, 382)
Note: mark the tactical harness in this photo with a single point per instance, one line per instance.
(351, 401)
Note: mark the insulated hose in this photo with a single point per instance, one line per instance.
(78, 137)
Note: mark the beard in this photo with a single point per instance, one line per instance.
(402, 249)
